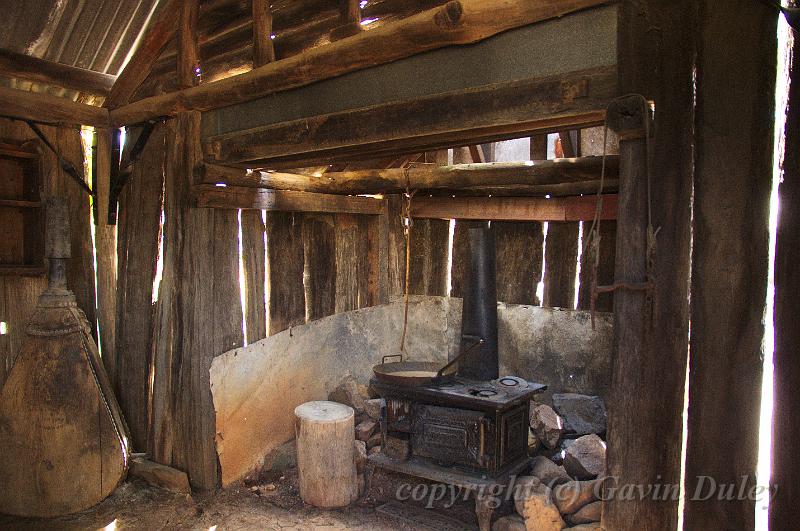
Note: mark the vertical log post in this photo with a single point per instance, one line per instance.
(188, 53)
(561, 263)
(784, 509)
(730, 262)
(656, 57)
(106, 250)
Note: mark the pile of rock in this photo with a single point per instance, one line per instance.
(564, 485)
(367, 421)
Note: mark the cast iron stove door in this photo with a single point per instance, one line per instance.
(450, 436)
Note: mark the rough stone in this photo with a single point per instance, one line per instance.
(588, 527)
(532, 501)
(360, 455)
(570, 497)
(582, 414)
(365, 429)
(587, 514)
(397, 447)
(546, 424)
(350, 393)
(374, 441)
(533, 443)
(373, 407)
(586, 457)
(159, 475)
(374, 450)
(548, 472)
(509, 523)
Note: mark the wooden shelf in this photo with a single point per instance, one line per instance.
(22, 270)
(19, 203)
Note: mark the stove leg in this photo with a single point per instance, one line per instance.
(485, 504)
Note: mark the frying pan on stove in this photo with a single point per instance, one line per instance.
(416, 373)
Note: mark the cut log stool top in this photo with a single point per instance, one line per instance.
(325, 442)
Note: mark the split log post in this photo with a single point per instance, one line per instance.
(561, 262)
(325, 435)
(784, 509)
(645, 427)
(106, 251)
(730, 256)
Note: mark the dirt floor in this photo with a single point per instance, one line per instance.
(267, 506)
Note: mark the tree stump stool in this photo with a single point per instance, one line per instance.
(325, 441)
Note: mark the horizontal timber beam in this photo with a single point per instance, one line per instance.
(47, 109)
(485, 114)
(482, 176)
(458, 22)
(21, 66)
(581, 208)
(235, 197)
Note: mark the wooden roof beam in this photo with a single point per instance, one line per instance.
(47, 109)
(492, 175)
(236, 197)
(158, 33)
(21, 66)
(580, 208)
(458, 22)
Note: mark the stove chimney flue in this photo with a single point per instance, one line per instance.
(479, 314)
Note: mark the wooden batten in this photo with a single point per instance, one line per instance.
(210, 196)
(46, 109)
(514, 208)
(509, 178)
(287, 305)
(31, 68)
(458, 22)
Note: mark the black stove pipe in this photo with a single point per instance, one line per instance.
(479, 314)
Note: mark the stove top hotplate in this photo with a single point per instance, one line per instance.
(462, 392)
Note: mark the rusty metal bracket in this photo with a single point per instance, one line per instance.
(648, 287)
(66, 165)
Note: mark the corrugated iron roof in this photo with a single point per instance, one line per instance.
(92, 34)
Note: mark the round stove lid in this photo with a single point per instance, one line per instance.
(514, 382)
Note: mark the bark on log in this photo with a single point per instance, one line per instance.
(783, 508)
(730, 260)
(458, 22)
(31, 68)
(496, 175)
(325, 464)
(561, 262)
(46, 109)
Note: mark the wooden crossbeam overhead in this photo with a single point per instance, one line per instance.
(232, 197)
(514, 208)
(188, 52)
(492, 175)
(458, 22)
(43, 108)
(159, 31)
(30, 68)
(480, 115)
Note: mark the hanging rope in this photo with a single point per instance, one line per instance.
(594, 238)
(407, 224)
